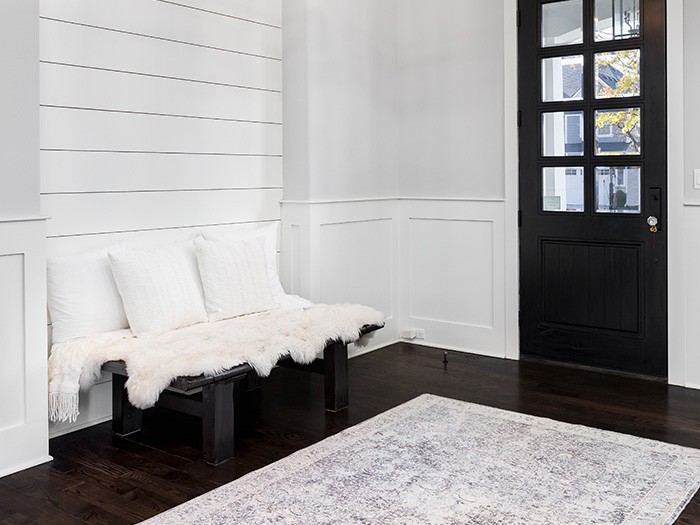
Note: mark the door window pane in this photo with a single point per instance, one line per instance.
(562, 134)
(617, 74)
(616, 19)
(562, 23)
(562, 78)
(562, 189)
(617, 131)
(618, 189)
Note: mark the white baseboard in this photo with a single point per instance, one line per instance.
(78, 426)
(371, 349)
(25, 465)
(452, 348)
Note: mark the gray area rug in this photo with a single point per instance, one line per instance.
(439, 461)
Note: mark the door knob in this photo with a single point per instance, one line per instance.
(652, 221)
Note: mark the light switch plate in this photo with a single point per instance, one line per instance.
(696, 179)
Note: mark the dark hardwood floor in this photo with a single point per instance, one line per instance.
(98, 478)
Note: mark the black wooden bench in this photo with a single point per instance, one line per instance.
(211, 397)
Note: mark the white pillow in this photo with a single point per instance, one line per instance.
(269, 234)
(234, 275)
(82, 296)
(160, 287)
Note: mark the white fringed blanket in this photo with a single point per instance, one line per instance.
(206, 348)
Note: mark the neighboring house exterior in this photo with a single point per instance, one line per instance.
(617, 188)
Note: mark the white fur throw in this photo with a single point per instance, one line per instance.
(153, 362)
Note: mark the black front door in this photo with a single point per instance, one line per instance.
(592, 100)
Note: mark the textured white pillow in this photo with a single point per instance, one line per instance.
(234, 275)
(269, 234)
(160, 287)
(82, 296)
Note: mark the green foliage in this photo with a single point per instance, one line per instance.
(626, 121)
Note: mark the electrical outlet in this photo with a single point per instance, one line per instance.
(408, 334)
(413, 333)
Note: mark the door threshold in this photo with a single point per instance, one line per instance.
(608, 371)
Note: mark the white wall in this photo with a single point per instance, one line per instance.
(684, 199)
(455, 118)
(157, 119)
(450, 92)
(340, 219)
(340, 81)
(23, 413)
(690, 83)
(19, 122)
(398, 121)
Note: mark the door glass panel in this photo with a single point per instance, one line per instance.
(562, 134)
(617, 74)
(617, 131)
(562, 189)
(562, 23)
(616, 19)
(562, 78)
(617, 189)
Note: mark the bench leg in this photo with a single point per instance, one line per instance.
(251, 396)
(126, 418)
(335, 359)
(217, 421)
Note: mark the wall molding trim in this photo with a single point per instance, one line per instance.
(452, 199)
(335, 201)
(23, 219)
(678, 348)
(23, 421)
(383, 199)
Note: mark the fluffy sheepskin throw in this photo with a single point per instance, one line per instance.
(207, 348)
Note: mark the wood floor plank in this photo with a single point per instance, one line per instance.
(17, 506)
(97, 477)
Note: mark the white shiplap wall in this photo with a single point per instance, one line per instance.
(157, 118)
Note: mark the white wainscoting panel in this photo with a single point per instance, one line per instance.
(23, 413)
(453, 273)
(436, 264)
(357, 263)
(336, 252)
(688, 353)
(158, 119)
(446, 273)
(12, 326)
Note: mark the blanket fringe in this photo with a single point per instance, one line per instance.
(63, 407)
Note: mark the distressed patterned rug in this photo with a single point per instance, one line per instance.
(439, 461)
